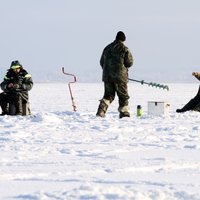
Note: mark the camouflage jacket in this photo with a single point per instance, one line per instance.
(115, 61)
(23, 79)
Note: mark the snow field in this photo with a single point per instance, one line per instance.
(58, 154)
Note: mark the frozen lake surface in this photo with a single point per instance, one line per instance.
(59, 154)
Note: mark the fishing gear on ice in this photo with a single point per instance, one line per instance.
(72, 98)
(157, 85)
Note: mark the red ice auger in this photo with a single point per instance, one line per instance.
(72, 98)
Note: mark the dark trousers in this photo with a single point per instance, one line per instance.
(121, 89)
(193, 104)
(196, 100)
(10, 98)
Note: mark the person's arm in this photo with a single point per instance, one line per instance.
(6, 84)
(196, 75)
(102, 60)
(128, 60)
(27, 83)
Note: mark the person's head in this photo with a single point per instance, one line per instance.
(16, 66)
(121, 36)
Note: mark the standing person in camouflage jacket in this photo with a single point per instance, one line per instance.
(193, 104)
(115, 61)
(16, 84)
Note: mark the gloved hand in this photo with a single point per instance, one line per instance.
(16, 86)
(195, 73)
(10, 85)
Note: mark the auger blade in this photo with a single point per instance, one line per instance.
(157, 85)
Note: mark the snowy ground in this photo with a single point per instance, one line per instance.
(61, 155)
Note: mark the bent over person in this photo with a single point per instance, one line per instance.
(16, 84)
(193, 104)
(115, 61)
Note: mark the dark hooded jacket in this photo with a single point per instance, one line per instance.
(23, 79)
(115, 61)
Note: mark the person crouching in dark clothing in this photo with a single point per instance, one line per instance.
(193, 104)
(16, 84)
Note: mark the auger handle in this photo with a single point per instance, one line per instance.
(70, 90)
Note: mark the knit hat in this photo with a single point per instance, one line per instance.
(120, 36)
(15, 64)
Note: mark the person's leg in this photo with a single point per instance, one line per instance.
(109, 95)
(16, 100)
(191, 104)
(197, 106)
(19, 108)
(4, 103)
(122, 92)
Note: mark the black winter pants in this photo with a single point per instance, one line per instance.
(194, 103)
(196, 99)
(10, 98)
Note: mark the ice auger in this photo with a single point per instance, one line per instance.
(72, 98)
(157, 85)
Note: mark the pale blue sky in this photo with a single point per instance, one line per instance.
(44, 35)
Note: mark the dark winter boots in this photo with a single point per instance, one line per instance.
(103, 106)
(124, 111)
(124, 114)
